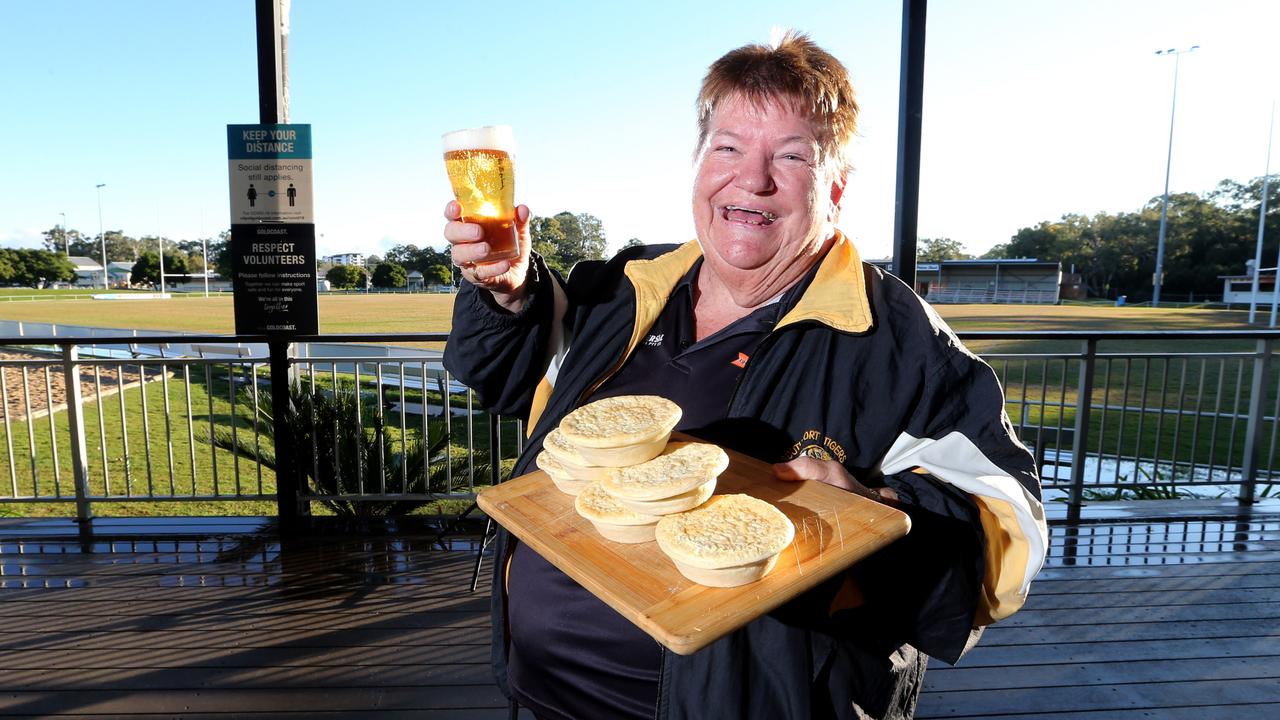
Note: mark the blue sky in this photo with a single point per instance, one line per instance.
(1033, 108)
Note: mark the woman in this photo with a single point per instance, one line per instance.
(777, 341)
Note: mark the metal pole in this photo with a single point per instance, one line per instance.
(1158, 279)
(289, 484)
(102, 236)
(204, 249)
(1080, 435)
(910, 112)
(66, 241)
(1275, 297)
(1262, 224)
(1254, 427)
(75, 426)
(161, 241)
(270, 68)
(291, 509)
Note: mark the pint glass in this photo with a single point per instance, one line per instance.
(479, 165)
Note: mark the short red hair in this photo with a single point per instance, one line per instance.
(792, 69)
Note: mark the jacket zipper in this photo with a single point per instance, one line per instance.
(659, 708)
(626, 352)
(760, 350)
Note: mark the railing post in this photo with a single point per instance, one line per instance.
(289, 507)
(1253, 430)
(495, 450)
(75, 425)
(1080, 443)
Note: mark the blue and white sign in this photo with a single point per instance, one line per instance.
(270, 169)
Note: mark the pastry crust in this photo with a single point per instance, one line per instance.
(564, 451)
(681, 467)
(620, 421)
(667, 506)
(627, 534)
(625, 455)
(596, 505)
(730, 576)
(727, 531)
(611, 520)
(566, 478)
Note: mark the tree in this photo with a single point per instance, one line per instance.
(633, 242)
(345, 277)
(566, 239)
(146, 269)
(411, 257)
(939, 249)
(438, 275)
(56, 240)
(389, 275)
(194, 251)
(30, 267)
(220, 255)
(120, 247)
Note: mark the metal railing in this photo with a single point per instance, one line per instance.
(100, 420)
(943, 294)
(1113, 415)
(374, 429)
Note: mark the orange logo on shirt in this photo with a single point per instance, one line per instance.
(741, 361)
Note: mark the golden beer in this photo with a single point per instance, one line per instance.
(480, 170)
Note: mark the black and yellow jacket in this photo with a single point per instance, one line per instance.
(858, 369)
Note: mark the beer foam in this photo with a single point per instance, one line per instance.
(489, 137)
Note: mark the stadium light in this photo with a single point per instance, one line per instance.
(1262, 224)
(1168, 165)
(102, 236)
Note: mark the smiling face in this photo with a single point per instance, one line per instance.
(764, 202)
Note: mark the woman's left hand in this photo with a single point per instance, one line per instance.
(831, 473)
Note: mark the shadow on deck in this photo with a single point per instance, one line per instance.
(1151, 613)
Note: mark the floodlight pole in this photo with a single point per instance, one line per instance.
(1262, 224)
(102, 237)
(204, 250)
(65, 240)
(1168, 166)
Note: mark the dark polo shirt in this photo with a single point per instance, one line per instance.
(571, 655)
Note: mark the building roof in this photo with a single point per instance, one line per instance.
(977, 262)
(84, 264)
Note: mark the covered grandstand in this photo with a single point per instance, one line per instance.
(1003, 280)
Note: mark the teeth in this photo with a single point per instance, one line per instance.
(763, 213)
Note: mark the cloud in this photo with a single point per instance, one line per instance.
(21, 238)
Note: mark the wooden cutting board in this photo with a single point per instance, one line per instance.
(834, 529)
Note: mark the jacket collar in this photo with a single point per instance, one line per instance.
(837, 297)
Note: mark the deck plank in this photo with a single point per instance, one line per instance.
(237, 624)
(1147, 619)
(1138, 618)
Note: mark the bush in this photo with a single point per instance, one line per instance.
(353, 452)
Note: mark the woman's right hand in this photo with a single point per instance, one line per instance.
(505, 279)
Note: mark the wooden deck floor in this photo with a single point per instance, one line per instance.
(1135, 617)
(1142, 617)
(225, 621)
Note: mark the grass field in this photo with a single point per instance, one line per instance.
(423, 312)
(407, 313)
(1040, 393)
